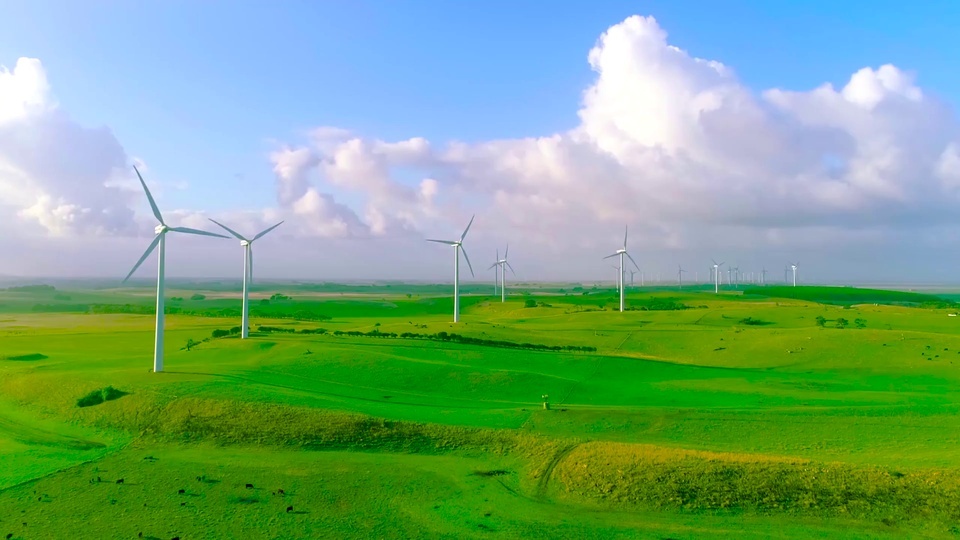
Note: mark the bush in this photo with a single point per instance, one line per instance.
(530, 302)
(750, 321)
(860, 323)
(219, 333)
(842, 323)
(821, 320)
(198, 296)
(99, 396)
(91, 399)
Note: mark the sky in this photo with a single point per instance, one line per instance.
(755, 133)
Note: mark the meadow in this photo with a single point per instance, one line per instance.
(362, 411)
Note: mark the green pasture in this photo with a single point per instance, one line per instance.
(384, 436)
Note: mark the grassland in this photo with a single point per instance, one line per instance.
(693, 415)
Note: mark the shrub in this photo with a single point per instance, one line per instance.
(821, 320)
(860, 323)
(219, 333)
(198, 296)
(530, 302)
(99, 396)
(842, 323)
(91, 399)
(750, 321)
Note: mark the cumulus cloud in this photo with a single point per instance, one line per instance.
(53, 172)
(673, 144)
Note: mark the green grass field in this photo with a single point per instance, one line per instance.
(754, 413)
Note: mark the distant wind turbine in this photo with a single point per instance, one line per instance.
(503, 264)
(161, 231)
(496, 273)
(620, 253)
(632, 273)
(247, 271)
(763, 276)
(680, 272)
(716, 276)
(794, 268)
(457, 248)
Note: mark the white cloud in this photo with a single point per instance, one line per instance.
(672, 142)
(675, 145)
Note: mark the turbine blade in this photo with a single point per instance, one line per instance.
(505, 253)
(492, 266)
(470, 266)
(510, 267)
(635, 265)
(228, 229)
(153, 204)
(150, 248)
(624, 237)
(464, 235)
(447, 242)
(188, 230)
(614, 255)
(263, 232)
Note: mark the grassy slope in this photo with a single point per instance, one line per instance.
(787, 389)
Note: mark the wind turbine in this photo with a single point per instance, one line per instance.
(247, 271)
(680, 272)
(716, 276)
(457, 248)
(496, 273)
(621, 252)
(161, 231)
(503, 265)
(632, 273)
(794, 268)
(763, 276)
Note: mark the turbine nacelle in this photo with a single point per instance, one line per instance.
(160, 229)
(244, 243)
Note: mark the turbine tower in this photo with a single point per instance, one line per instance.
(161, 231)
(680, 272)
(457, 248)
(716, 276)
(620, 253)
(794, 268)
(632, 273)
(247, 271)
(763, 276)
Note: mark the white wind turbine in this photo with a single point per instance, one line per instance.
(247, 271)
(504, 264)
(458, 247)
(161, 231)
(794, 268)
(620, 253)
(680, 272)
(716, 276)
(496, 274)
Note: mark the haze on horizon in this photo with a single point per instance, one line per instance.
(371, 127)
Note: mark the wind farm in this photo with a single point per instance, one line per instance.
(337, 378)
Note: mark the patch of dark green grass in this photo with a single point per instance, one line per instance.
(26, 357)
(97, 397)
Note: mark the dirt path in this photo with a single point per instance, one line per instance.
(544, 482)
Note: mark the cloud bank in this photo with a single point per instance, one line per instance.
(674, 145)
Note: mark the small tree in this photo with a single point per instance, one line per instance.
(842, 323)
(191, 344)
(860, 323)
(530, 302)
(821, 320)
(198, 296)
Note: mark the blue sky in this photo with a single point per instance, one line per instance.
(203, 92)
(199, 89)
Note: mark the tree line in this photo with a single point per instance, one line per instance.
(439, 336)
